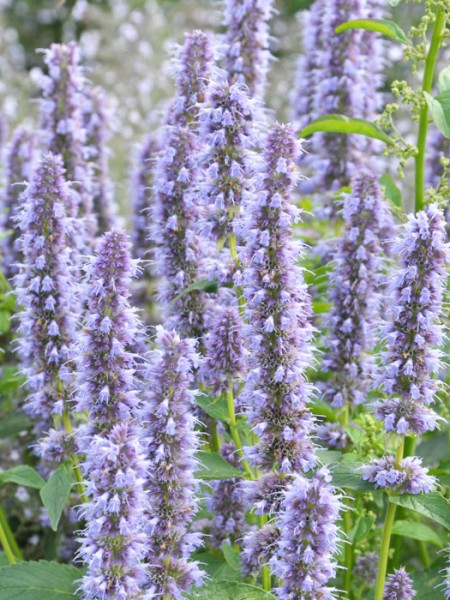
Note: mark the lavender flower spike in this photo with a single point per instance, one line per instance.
(171, 443)
(406, 477)
(247, 43)
(309, 538)
(46, 289)
(113, 544)
(415, 331)
(399, 586)
(354, 292)
(19, 162)
(176, 211)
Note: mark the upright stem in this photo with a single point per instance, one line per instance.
(9, 534)
(349, 555)
(235, 432)
(428, 74)
(76, 467)
(6, 546)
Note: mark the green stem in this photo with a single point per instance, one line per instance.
(266, 577)
(349, 555)
(235, 256)
(428, 74)
(76, 467)
(9, 534)
(384, 555)
(6, 546)
(235, 432)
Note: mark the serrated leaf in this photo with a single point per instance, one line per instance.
(383, 26)
(213, 466)
(214, 407)
(361, 529)
(216, 567)
(12, 424)
(440, 111)
(356, 434)
(348, 475)
(22, 475)
(391, 190)
(417, 531)
(444, 80)
(229, 590)
(38, 580)
(55, 492)
(201, 285)
(347, 125)
(433, 505)
(232, 557)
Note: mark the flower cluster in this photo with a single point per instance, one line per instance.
(246, 56)
(113, 544)
(170, 443)
(399, 586)
(406, 477)
(45, 287)
(309, 538)
(19, 162)
(355, 297)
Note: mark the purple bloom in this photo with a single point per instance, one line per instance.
(408, 477)
(259, 547)
(355, 282)
(171, 443)
(414, 331)
(333, 435)
(309, 538)
(19, 162)
(175, 212)
(366, 568)
(247, 43)
(113, 545)
(96, 155)
(46, 290)
(399, 586)
(266, 494)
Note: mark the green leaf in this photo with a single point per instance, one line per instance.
(232, 558)
(55, 492)
(5, 321)
(383, 26)
(214, 466)
(215, 407)
(444, 80)
(425, 582)
(216, 567)
(391, 190)
(229, 590)
(202, 285)
(361, 529)
(356, 434)
(38, 580)
(342, 124)
(348, 475)
(22, 475)
(440, 111)
(417, 531)
(329, 457)
(433, 505)
(12, 424)
(394, 2)
(323, 408)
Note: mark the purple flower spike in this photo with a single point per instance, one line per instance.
(19, 163)
(171, 443)
(259, 547)
(96, 155)
(46, 290)
(175, 212)
(278, 311)
(399, 586)
(408, 477)
(355, 282)
(62, 129)
(247, 43)
(414, 331)
(309, 538)
(113, 545)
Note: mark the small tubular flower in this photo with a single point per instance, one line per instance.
(407, 477)
(171, 442)
(309, 538)
(19, 163)
(46, 289)
(399, 586)
(113, 543)
(247, 55)
(355, 296)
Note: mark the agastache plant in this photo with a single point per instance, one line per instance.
(113, 543)
(170, 443)
(175, 211)
(19, 163)
(399, 586)
(355, 293)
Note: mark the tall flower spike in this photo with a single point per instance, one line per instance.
(354, 293)
(46, 290)
(96, 154)
(414, 331)
(247, 53)
(113, 544)
(309, 538)
(62, 129)
(19, 159)
(399, 586)
(171, 443)
(175, 212)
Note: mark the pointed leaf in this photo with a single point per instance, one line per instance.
(214, 407)
(55, 492)
(417, 531)
(232, 558)
(202, 285)
(444, 80)
(433, 505)
(391, 190)
(38, 580)
(440, 111)
(13, 423)
(383, 26)
(214, 466)
(22, 475)
(229, 590)
(347, 125)
(348, 475)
